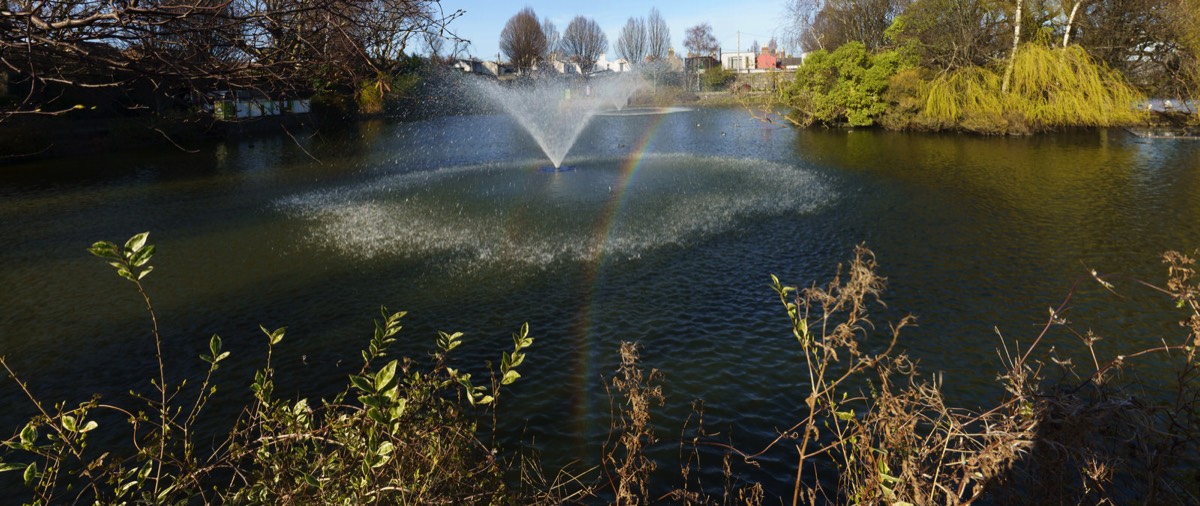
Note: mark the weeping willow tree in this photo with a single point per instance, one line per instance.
(1050, 87)
(1187, 23)
(967, 98)
(1065, 86)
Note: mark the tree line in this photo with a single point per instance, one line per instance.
(528, 42)
(991, 66)
(1153, 43)
(173, 48)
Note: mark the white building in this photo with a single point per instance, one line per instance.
(738, 60)
(477, 66)
(618, 65)
(563, 67)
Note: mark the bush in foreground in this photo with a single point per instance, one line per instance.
(398, 433)
(873, 430)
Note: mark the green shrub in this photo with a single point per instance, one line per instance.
(717, 78)
(843, 87)
(398, 433)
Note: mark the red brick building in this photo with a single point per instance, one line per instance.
(766, 60)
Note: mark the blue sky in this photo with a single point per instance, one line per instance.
(484, 19)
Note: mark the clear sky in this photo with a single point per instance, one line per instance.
(484, 19)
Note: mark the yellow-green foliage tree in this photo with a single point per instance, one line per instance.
(1187, 20)
(1051, 88)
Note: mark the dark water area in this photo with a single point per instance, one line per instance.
(664, 232)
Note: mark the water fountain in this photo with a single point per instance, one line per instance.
(623, 198)
(556, 110)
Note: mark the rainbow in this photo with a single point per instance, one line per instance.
(587, 352)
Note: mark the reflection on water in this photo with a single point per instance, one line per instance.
(665, 233)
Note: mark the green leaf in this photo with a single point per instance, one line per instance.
(144, 472)
(11, 467)
(126, 486)
(362, 383)
(274, 336)
(105, 249)
(166, 491)
(385, 378)
(145, 272)
(68, 422)
(214, 345)
(28, 435)
(31, 473)
(312, 482)
(141, 257)
(88, 427)
(385, 448)
(372, 401)
(517, 358)
(510, 377)
(449, 342)
(135, 243)
(487, 399)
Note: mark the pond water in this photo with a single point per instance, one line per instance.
(664, 231)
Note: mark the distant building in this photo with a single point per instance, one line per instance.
(674, 62)
(603, 64)
(738, 61)
(562, 67)
(700, 63)
(243, 104)
(482, 67)
(766, 60)
(791, 62)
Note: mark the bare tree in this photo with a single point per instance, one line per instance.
(386, 36)
(553, 39)
(658, 36)
(827, 24)
(433, 45)
(952, 34)
(700, 40)
(583, 41)
(178, 48)
(522, 40)
(631, 43)
(798, 32)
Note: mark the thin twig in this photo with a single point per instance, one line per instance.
(285, 130)
(168, 138)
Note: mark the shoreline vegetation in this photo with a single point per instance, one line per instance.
(827, 92)
(1041, 89)
(877, 429)
(1015, 67)
(948, 103)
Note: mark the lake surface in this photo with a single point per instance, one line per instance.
(665, 231)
